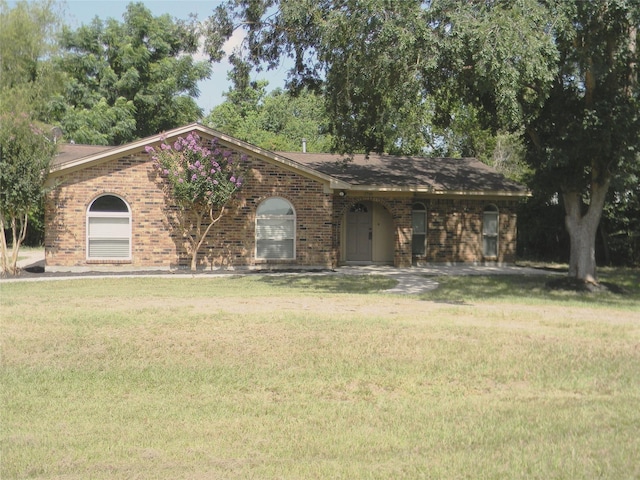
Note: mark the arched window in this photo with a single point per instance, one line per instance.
(490, 229)
(275, 230)
(419, 224)
(108, 229)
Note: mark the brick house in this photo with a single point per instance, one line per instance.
(106, 211)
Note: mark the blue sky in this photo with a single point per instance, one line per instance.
(78, 12)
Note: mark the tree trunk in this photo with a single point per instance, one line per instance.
(583, 228)
(200, 236)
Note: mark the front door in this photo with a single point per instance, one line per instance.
(359, 232)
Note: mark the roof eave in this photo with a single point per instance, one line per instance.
(139, 145)
(439, 192)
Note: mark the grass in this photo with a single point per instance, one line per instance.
(291, 377)
(533, 289)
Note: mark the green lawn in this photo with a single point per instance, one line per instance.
(318, 377)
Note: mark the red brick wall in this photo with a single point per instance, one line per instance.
(454, 228)
(454, 232)
(155, 244)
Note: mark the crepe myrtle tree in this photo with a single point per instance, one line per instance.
(25, 156)
(202, 178)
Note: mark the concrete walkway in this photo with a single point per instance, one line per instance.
(411, 281)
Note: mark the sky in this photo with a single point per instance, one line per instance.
(79, 12)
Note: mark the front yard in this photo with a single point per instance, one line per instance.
(287, 377)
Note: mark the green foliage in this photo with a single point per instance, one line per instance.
(276, 121)
(589, 127)
(128, 80)
(562, 75)
(367, 55)
(27, 46)
(25, 155)
(198, 174)
(201, 178)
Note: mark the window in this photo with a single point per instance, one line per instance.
(419, 223)
(108, 229)
(490, 231)
(275, 230)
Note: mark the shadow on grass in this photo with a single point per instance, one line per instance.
(359, 284)
(536, 288)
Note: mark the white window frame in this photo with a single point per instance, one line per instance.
(421, 209)
(91, 215)
(288, 218)
(490, 210)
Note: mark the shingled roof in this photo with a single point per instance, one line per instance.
(459, 176)
(387, 172)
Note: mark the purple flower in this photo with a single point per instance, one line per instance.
(194, 177)
(164, 146)
(180, 180)
(227, 154)
(232, 179)
(165, 172)
(177, 146)
(197, 163)
(149, 149)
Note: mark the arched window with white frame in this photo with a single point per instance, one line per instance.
(490, 229)
(108, 229)
(275, 230)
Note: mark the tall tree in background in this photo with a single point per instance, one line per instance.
(128, 80)
(563, 73)
(366, 56)
(27, 47)
(276, 121)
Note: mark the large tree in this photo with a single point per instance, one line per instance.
(563, 73)
(277, 121)
(129, 80)
(27, 47)
(587, 134)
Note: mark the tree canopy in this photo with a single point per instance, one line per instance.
(28, 77)
(25, 155)
(561, 73)
(128, 80)
(277, 121)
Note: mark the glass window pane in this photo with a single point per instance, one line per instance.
(277, 249)
(275, 229)
(109, 248)
(275, 206)
(108, 227)
(419, 223)
(108, 203)
(490, 223)
(418, 245)
(490, 246)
